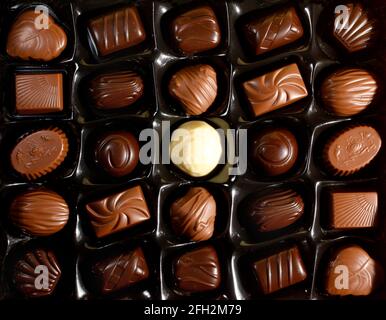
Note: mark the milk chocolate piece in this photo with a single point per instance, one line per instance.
(198, 270)
(352, 150)
(276, 210)
(273, 31)
(39, 153)
(39, 212)
(118, 212)
(193, 215)
(195, 88)
(39, 93)
(352, 271)
(274, 151)
(117, 153)
(275, 90)
(121, 271)
(280, 270)
(117, 30)
(353, 28)
(353, 209)
(27, 42)
(348, 91)
(116, 90)
(196, 30)
(28, 273)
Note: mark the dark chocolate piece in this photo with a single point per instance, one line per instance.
(274, 211)
(118, 212)
(352, 271)
(198, 270)
(26, 42)
(117, 30)
(274, 151)
(121, 271)
(39, 153)
(353, 28)
(31, 271)
(351, 150)
(348, 91)
(273, 31)
(117, 153)
(280, 270)
(353, 209)
(195, 88)
(194, 214)
(275, 90)
(116, 90)
(40, 212)
(39, 93)
(196, 30)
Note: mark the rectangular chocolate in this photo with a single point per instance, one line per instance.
(275, 89)
(39, 93)
(117, 30)
(280, 270)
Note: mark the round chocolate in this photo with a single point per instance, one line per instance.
(37, 273)
(39, 212)
(40, 153)
(117, 153)
(274, 151)
(193, 215)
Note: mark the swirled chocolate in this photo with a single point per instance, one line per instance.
(37, 273)
(275, 90)
(39, 212)
(39, 153)
(274, 211)
(351, 150)
(195, 88)
(198, 270)
(26, 41)
(348, 91)
(121, 271)
(274, 151)
(193, 215)
(352, 271)
(116, 90)
(118, 211)
(117, 153)
(196, 30)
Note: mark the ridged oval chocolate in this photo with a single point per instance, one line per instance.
(39, 212)
(117, 153)
(193, 215)
(352, 150)
(116, 90)
(29, 268)
(274, 211)
(348, 91)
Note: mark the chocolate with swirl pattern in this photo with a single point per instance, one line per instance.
(275, 90)
(198, 270)
(193, 215)
(118, 211)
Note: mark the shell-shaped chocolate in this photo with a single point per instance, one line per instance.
(116, 90)
(39, 212)
(274, 211)
(352, 150)
(352, 272)
(31, 271)
(353, 28)
(26, 41)
(193, 215)
(348, 91)
(195, 88)
(118, 211)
